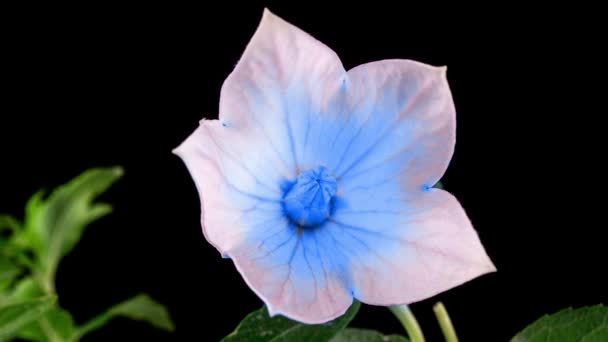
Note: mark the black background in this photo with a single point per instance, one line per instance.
(102, 85)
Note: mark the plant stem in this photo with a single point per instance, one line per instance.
(445, 323)
(94, 324)
(409, 322)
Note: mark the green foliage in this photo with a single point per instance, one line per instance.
(140, 307)
(8, 273)
(144, 308)
(55, 325)
(589, 324)
(15, 316)
(54, 226)
(30, 254)
(9, 223)
(258, 326)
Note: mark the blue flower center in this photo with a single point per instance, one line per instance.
(308, 199)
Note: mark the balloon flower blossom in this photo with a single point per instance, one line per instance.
(318, 183)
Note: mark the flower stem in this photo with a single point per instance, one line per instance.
(409, 322)
(445, 323)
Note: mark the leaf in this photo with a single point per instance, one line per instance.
(140, 307)
(258, 327)
(144, 308)
(61, 322)
(26, 288)
(56, 322)
(584, 324)
(8, 273)
(7, 277)
(8, 222)
(12, 226)
(31, 236)
(54, 226)
(366, 335)
(438, 185)
(16, 315)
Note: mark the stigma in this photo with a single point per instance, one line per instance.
(308, 200)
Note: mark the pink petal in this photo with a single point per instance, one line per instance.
(407, 125)
(284, 77)
(236, 191)
(296, 273)
(239, 161)
(409, 247)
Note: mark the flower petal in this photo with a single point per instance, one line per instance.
(237, 189)
(283, 79)
(408, 247)
(403, 123)
(297, 273)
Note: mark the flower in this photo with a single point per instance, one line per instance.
(318, 182)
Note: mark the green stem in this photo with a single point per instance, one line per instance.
(409, 322)
(94, 324)
(49, 282)
(445, 323)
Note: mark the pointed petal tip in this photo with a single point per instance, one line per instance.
(267, 11)
(486, 268)
(442, 70)
(491, 268)
(268, 15)
(178, 150)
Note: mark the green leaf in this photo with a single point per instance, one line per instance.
(26, 288)
(54, 226)
(258, 326)
(8, 273)
(6, 267)
(366, 335)
(144, 308)
(7, 277)
(11, 225)
(8, 222)
(140, 307)
(584, 324)
(55, 325)
(16, 315)
(62, 322)
(438, 185)
(31, 236)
